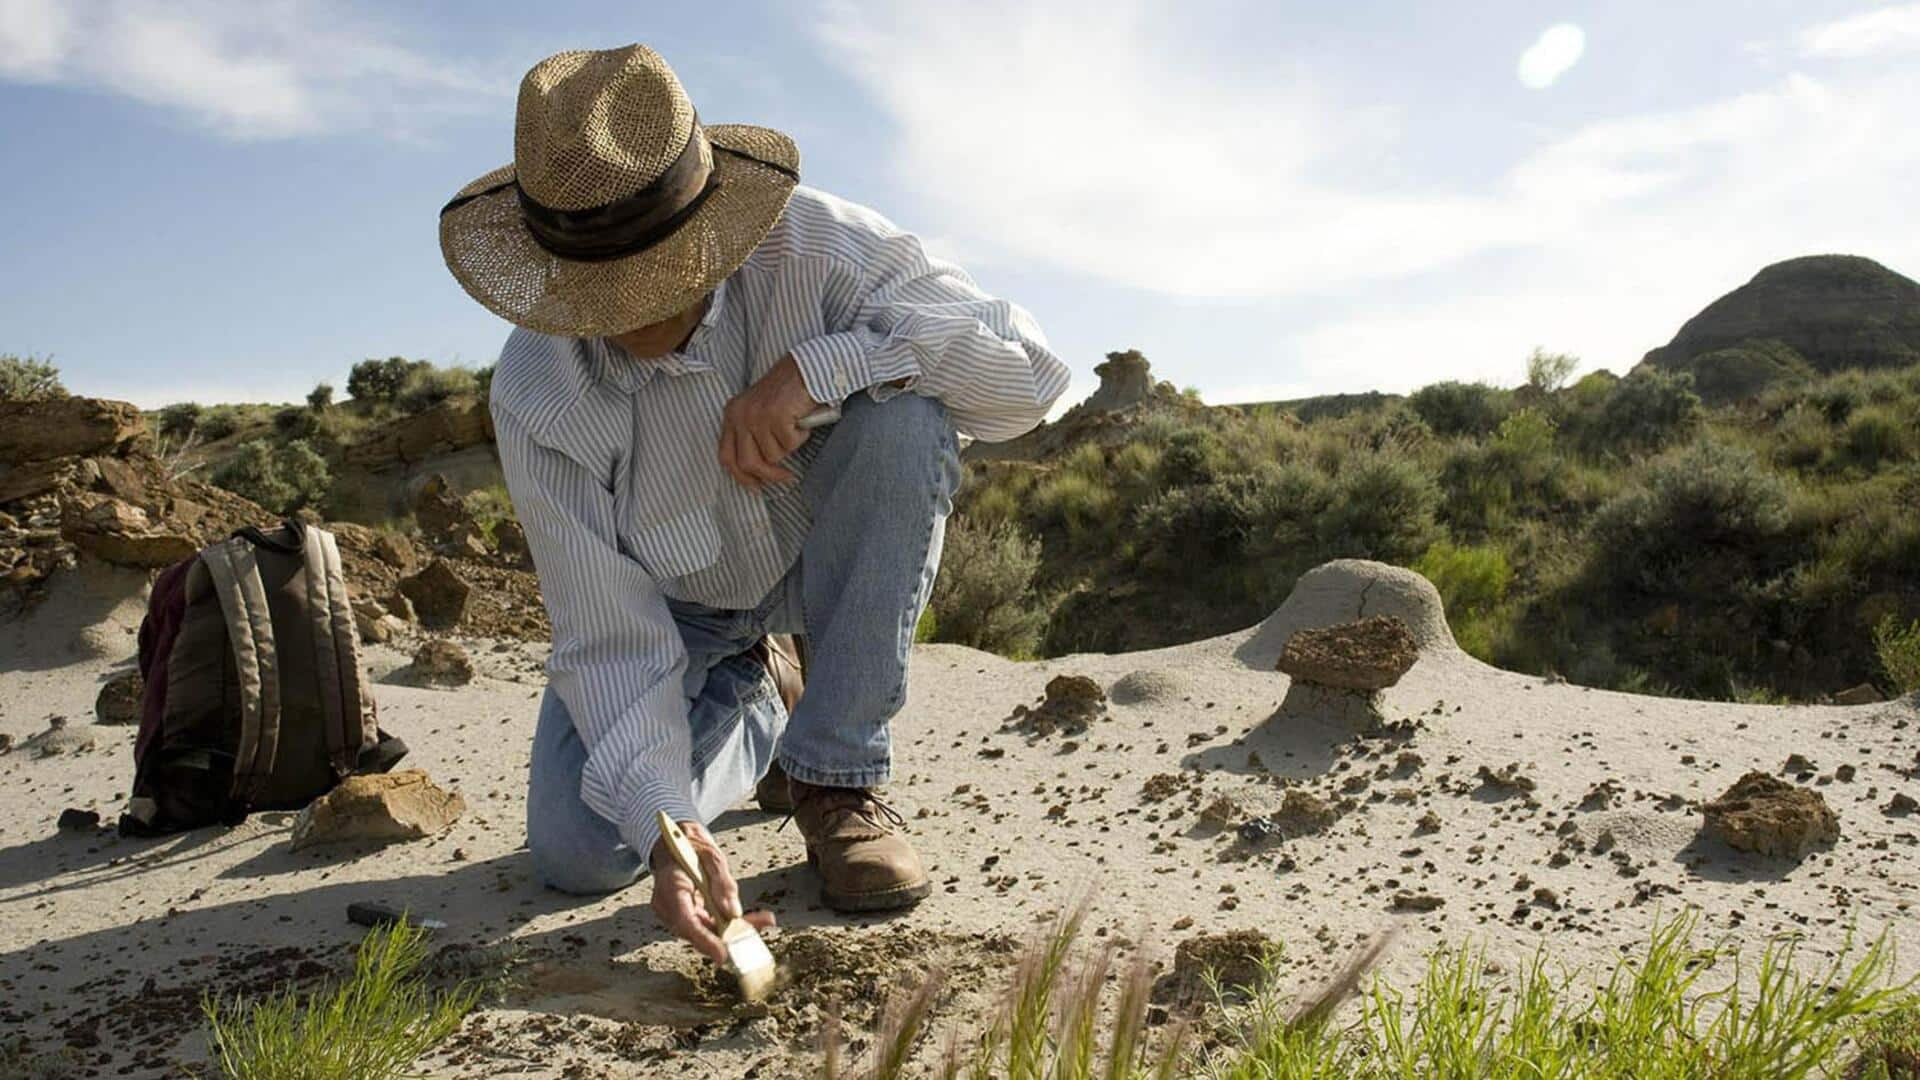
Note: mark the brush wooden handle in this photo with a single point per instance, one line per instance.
(687, 858)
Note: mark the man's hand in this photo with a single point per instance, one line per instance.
(761, 427)
(680, 907)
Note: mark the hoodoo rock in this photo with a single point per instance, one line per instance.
(1367, 654)
(1766, 815)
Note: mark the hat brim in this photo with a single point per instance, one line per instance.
(490, 252)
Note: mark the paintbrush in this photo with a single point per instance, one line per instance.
(747, 955)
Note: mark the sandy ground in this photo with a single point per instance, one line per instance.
(106, 944)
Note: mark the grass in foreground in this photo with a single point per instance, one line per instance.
(1675, 1011)
(372, 1026)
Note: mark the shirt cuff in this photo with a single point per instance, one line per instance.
(641, 830)
(837, 366)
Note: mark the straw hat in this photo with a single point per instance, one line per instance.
(620, 208)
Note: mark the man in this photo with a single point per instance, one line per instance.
(682, 307)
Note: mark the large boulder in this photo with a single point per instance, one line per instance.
(438, 594)
(380, 808)
(65, 427)
(1766, 815)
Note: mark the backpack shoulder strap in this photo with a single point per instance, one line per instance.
(337, 647)
(243, 601)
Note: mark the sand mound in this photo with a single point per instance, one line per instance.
(1149, 686)
(1348, 589)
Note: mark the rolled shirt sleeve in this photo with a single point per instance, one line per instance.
(919, 324)
(618, 662)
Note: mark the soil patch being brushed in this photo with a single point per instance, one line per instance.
(857, 971)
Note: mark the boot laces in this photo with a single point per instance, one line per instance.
(861, 803)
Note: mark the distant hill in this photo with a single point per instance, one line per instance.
(1803, 317)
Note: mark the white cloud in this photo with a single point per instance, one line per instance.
(1552, 55)
(262, 69)
(1600, 240)
(1878, 32)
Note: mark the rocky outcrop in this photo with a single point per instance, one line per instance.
(120, 532)
(1126, 380)
(1127, 394)
(1766, 815)
(66, 427)
(443, 429)
(1834, 311)
(382, 808)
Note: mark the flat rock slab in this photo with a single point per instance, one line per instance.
(381, 808)
(1766, 815)
(1366, 654)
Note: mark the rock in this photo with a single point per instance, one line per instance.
(1072, 703)
(1901, 805)
(467, 539)
(62, 738)
(440, 513)
(393, 551)
(1237, 959)
(65, 427)
(371, 620)
(1366, 654)
(381, 808)
(438, 594)
(1221, 812)
(1412, 901)
(119, 698)
(74, 819)
(399, 606)
(1126, 379)
(439, 662)
(6, 742)
(511, 539)
(35, 478)
(1301, 813)
(1864, 694)
(117, 531)
(1508, 780)
(1765, 815)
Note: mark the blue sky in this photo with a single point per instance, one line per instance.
(235, 200)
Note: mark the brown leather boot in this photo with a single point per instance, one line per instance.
(782, 656)
(855, 844)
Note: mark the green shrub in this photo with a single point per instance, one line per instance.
(1074, 502)
(320, 397)
(371, 1026)
(381, 380)
(1747, 370)
(1193, 455)
(295, 422)
(1458, 408)
(483, 382)
(1878, 435)
(1471, 580)
(428, 386)
(218, 422)
(282, 479)
(983, 596)
(1705, 513)
(1648, 411)
(1548, 372)
(28, 378)
(1899, 651)
(179, 420)
(1381, 507)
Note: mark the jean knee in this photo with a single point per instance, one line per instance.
(905, 443)
(569, 869)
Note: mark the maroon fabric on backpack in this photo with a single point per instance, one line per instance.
(166, 606)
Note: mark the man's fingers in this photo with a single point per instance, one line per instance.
(771, 451)
(678, 908)
(720, 883)
(734, 455)
(761, 920)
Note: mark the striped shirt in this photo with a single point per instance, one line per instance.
(613, 463)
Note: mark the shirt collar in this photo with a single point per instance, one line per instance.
(623, 371)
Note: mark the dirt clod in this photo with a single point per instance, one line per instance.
(1765, 815)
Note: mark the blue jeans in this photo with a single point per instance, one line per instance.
(878, 494)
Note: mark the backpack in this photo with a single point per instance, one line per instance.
(254, 697)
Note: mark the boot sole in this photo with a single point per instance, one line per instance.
(899, 896)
